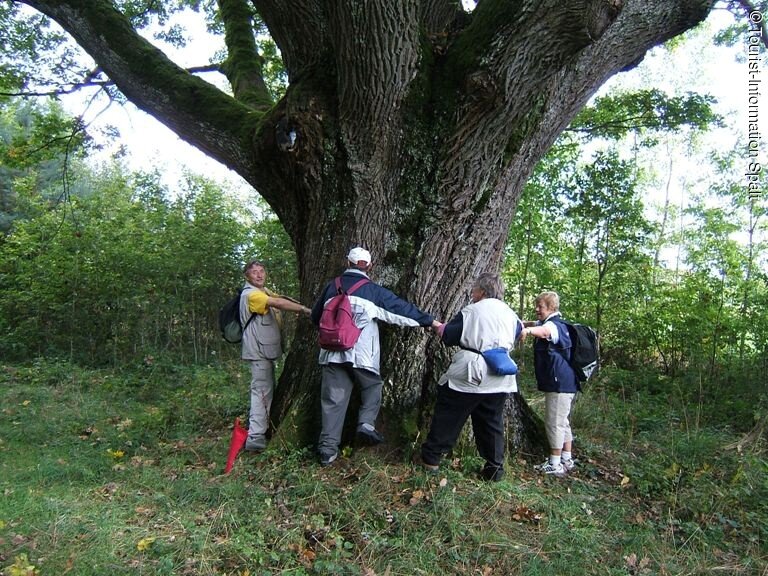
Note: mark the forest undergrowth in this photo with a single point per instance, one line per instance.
(121, 472)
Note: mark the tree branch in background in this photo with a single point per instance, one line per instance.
(243, 66)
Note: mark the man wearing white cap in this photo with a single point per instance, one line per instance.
(360, 364)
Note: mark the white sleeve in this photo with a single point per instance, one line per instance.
(554, 335)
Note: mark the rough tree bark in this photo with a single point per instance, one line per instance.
(417, 125)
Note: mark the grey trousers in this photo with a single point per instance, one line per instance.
(338, 381)
(262, 389)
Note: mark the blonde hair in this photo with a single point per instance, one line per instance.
(550, 299)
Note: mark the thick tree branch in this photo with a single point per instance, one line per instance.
(197, 111)
(377, 50)
(505, 63)
(437, 15)
(243, 66)
(299, 29)
(91, 82)
(512, 111)
(641, 25)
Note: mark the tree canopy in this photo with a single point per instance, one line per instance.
(408, 126)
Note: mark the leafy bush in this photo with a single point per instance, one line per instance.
(125, 274)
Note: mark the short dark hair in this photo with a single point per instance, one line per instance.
(490, 284)
(253, 263)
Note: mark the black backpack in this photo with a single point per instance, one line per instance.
(584, 353)
(229, 320)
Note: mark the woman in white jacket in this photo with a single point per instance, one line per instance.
(469, 388)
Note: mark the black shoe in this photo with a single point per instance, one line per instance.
(368, 437)
(256, 443)
(492, 473)
(432, 469)
(328, 458)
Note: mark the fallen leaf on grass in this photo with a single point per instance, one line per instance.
(635, 567)
(123, 424)
(145, 543)
(525, 514)
(18, 540)
(308, 555)
(416, 497)
(22, 567)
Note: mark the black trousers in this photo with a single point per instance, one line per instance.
(452, 409)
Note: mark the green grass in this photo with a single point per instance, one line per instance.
(104, 472)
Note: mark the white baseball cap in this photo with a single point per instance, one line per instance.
(358, 254)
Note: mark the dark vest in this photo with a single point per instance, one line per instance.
(553, 373)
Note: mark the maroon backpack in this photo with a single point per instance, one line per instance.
(338, 331)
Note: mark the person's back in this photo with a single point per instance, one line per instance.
(342, 369)
(483, 325)
(470, 388)
(371, 303)
(490, 323)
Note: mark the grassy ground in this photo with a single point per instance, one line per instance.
(121, 473)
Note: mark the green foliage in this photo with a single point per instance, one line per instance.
(29, 45)
(125, 273)
(733, 34)
(116, 470)
(35, 142)
(616, 115)
(273, 68)
(582, 230)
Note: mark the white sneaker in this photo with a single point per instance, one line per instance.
(569, 464)
(538, 467)
(557, 471)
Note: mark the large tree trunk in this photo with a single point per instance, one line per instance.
(417, 126)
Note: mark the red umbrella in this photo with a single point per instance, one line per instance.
(239, 435)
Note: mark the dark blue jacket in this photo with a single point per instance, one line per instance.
(553, 372)
(371, 304)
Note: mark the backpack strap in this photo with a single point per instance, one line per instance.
(253, 314)
(566, 353)
(357, 285)
(352, 288)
